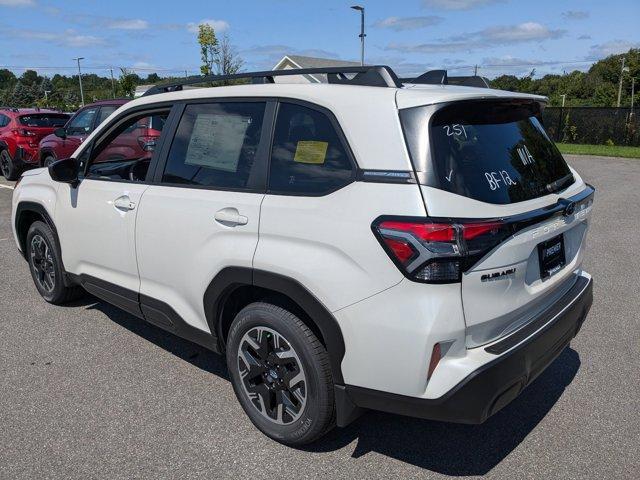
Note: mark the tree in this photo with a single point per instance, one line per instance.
(208, 47)
(7, 79)
(152, 78)
(30, 77)
(23, 95)
(127, 82)
(226, 59)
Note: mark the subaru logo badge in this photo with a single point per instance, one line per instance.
(569, 208)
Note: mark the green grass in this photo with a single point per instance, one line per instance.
(601, 150)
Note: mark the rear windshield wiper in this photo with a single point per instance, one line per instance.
(560, 184)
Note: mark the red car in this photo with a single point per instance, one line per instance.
(20, 133)
(64, 141)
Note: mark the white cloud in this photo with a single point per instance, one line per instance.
(613, 47)
(68, 38)
(128, 24)
(407, 23)
(575, 15)
(523, 32)
(457, 4)
(74, 40)
(489, 37)
(514, 62)
(436, 47)
(144, 67)
(218, 25)
(17, 3)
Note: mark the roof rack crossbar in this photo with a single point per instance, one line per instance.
(370, 75)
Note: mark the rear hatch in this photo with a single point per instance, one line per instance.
(35, 126)
(518, 213)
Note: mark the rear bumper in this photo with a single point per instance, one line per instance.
(520, 358)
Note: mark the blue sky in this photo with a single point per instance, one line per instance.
(502, 36)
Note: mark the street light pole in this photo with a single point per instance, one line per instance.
(80, 79)
(564, 96)
(113, 87)
(633, 92)
(362, 34)
(622, 70)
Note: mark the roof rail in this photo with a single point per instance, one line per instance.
(440, 77)
(370, 75)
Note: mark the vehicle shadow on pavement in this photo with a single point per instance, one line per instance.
(446, 448)
(454, 449)
(188, 351)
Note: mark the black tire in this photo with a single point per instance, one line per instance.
(315, 416)
(48, 159)
(43, 255)
(9, 169)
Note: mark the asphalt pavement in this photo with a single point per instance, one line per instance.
(88, 391)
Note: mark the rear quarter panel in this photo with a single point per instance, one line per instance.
(326, 243)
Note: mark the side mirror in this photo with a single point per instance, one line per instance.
(65, 171)
(60, 132)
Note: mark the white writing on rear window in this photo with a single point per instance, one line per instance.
(499, 179)
(525, 155)
(455, 130)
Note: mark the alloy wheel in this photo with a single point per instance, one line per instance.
(42, 263)
(272, 375)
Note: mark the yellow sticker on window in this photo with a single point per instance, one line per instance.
(308, 151)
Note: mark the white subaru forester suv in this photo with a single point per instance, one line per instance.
(361, 243)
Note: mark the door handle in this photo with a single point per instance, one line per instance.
(230, 217)
(124, 203)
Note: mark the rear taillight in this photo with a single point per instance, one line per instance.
(438, 251)
(23, 132)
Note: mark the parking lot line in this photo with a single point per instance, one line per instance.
(6, 186)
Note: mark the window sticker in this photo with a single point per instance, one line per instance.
(216, 141)
(310, 151)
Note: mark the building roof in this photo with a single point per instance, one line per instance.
(300, 61)
(315, 62)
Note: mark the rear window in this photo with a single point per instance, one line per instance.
(495, 152)
(308, 156)
(44, 120)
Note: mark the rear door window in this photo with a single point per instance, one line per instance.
(495, 152)
(307, 157)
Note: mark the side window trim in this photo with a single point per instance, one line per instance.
(259, 178)
(96, 117)
(170, 127)
(339, 132)
(108, 130)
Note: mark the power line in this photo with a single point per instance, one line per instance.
(182, 69)
(96, 67)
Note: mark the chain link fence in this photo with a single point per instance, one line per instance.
(593, 125)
